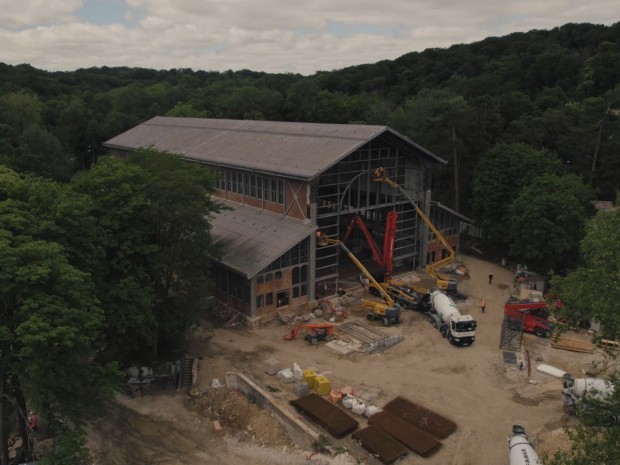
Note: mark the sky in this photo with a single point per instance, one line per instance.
(275, 36)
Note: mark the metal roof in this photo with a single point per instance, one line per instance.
(253, 238)
(297, 150)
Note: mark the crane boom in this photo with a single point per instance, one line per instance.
(385, 259)
(431, 268)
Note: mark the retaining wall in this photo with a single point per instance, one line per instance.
(300, 433)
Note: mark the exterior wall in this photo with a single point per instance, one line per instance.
(271, 290)
(296, 201)
(347, 189)
(293, 195)
(435, 251)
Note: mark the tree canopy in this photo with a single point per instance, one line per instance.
(592, 291)
(498, 179)
(544, 223)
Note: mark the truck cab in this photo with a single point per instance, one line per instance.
(538, 321)
(536, 317)
(462, 330)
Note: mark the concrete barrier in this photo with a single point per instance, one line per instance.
(301, 434)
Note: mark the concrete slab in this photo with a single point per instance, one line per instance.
(342, 347)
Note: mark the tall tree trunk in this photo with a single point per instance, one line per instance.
(598, 143)
(4, 434)
(22, 416)
(456, 171)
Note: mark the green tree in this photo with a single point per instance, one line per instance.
(178, 212)
(546, 221)
(592, 291)
(118, 253)
(498, 179)
(20, 110)
(50, 321)
(41, 153)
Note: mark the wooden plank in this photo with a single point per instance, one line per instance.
(572, 348)
(611, 344)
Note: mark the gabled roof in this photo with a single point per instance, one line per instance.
(296, 150)
(253, 238)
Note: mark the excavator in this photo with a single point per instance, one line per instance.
(316, 332)
(387, 312)
(443, 281)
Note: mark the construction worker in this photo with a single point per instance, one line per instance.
(483, 304)
(490, 278)
(380, 173)
(33, 421)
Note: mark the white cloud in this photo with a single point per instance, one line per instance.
(16, 14)
(268, 35)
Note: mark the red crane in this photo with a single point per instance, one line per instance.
(385, 258)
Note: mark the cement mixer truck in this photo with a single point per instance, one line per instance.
(444, 315)
(520, 450)
(582, 394)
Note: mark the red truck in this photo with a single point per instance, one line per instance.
(536, 316)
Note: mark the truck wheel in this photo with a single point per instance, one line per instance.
(450, 338)
(539, 331)
(370, 316)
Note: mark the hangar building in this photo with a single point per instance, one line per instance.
(286, 182)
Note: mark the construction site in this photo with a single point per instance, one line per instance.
(337, 388)
(346, 325)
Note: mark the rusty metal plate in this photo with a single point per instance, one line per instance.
(380, 444)
(333, 419)
(422, 417)
(409, 434)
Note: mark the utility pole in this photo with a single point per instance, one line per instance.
(456, 171)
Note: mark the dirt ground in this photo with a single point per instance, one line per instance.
(471, 385)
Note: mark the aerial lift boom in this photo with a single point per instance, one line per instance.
(387, 311)
(443, 282)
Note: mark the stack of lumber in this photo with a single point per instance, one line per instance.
(610, 344)
(574, 345)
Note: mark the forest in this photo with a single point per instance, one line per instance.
(529, 124)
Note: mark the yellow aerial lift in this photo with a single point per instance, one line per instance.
(389, 311)
(443, 281)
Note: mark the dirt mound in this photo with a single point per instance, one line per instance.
(239, 417)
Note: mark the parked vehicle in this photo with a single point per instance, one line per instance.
(444, 315)
(581, 393)
(520, 450)
(388, 311)
(537, 318)
(315, 332)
